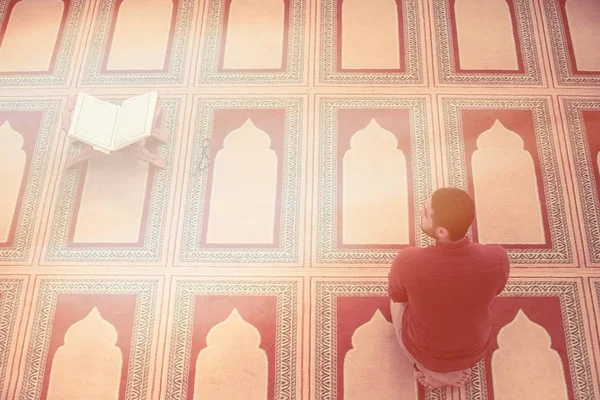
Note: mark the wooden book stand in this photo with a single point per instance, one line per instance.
(136, 150)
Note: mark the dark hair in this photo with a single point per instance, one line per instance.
(454, 210)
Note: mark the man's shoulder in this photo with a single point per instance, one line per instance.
(416, 254)
(410, 256)
(492, 249)
(494, 254)
(408, 253)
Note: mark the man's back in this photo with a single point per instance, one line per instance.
(449, 288)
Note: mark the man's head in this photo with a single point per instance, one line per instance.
(447, 214)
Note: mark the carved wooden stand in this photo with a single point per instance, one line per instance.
(136, 150)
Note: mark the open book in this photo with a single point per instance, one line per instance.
(108, 127)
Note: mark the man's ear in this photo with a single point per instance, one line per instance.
(442, 232)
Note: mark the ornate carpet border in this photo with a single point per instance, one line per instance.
(562, 252)
(325, 350)
(64, 57)
(10, 291)
(584, 172)
(142, 336)
(447, 75)
(92, 73)
(153, 247)
(209, 60)
(327, 175)
(328, 73)
(572, 314)
(561, 57)
(286, 363)
(289, 237)
(574, 323)
(36, 179)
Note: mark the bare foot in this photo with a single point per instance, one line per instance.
(421, 379)
(434, 380)
(427, 381)
(449, 378)
(464, 379)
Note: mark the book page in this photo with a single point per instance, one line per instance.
(93, 122)
(135, 118)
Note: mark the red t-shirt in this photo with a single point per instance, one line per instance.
(449, 288)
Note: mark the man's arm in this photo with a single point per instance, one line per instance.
(396, 278)
(506, 268)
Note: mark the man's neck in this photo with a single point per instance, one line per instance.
(445, 242)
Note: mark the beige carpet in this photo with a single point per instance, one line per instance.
(302, 138)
